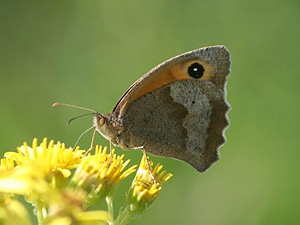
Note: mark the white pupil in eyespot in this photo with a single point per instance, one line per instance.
(195, 69)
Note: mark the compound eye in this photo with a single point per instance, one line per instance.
(101, 121)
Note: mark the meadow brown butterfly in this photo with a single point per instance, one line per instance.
(178, 109)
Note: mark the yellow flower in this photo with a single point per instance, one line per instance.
(100, 173)
(6, 164)
(53, 206)
(41, 174)
(27, 180)
(146, 185)
(68, 210)
(13, 212)
(58, 159)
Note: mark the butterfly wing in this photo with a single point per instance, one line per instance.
(173, 111)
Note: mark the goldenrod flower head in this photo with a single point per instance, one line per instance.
(100, 173)
(28, 180)
(70, 208)
(6, 164)
(57, 157)
(41, 174)
(64, 206)
(13, 212)
(146, 185)
(6, 167)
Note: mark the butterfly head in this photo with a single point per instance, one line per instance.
(104, 125)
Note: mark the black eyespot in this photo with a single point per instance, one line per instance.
(193, 102)
(196, 70)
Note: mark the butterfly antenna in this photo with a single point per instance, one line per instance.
(73, 106)
(80, 136)
(74, 118)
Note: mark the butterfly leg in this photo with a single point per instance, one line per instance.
(110, 147)
(92, 143)
(110, 151)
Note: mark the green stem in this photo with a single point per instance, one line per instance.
(124, 217)
(110, 206)
(39, 213)
(93, 198)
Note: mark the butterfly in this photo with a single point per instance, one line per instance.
(178, 109)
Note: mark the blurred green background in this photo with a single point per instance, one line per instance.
(88, 53)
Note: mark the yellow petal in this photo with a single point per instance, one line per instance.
(66, 173)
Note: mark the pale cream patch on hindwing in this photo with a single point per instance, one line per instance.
(189, 94)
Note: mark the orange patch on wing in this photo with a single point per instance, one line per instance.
(171, 74)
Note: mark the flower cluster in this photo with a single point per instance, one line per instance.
(99, 174)
(63, 183)
(146, 185)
